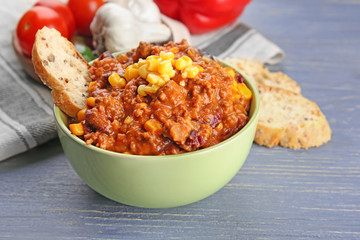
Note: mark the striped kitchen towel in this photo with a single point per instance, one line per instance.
(26, 107)
(234, 40)
(239, 40)
(26, 113)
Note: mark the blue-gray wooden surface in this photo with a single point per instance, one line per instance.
(278, 194)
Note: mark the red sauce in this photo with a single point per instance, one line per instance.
(189, 113)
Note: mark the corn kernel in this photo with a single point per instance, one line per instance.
(158, 70)
(139, 63)
(122, 83)
(188, 60)
(153, 78)
(151, 89)
(162, 81)
(235, 84)
(114, 77)
(90, 102)
(191, 71)
(76, 129)
(116, 81)
(180, 64)
(152, 63)
(141, 90)
(152, 125)
(91, 86)
(130, 73)
(143, 72)
(245, 91)
(167, 55)
(235, 92)
(144, 90)
(165, 67)
(171, 73)
(153, 57)
(128, 120)
(165, 78)
(235, 97)
(81, 114)
(230, 71)
(183, 62)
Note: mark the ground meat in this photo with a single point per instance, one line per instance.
(186, 113)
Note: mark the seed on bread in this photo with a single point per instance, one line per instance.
(62, 68)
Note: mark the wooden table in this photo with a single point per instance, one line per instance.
(278, 194)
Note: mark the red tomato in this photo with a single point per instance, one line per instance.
(35, 19)
(84, 12)
(63, 10)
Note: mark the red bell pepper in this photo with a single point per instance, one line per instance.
(201, 16)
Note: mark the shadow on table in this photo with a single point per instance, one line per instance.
(38, 154)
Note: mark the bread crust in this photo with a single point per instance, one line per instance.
(290, 120)
(286, 118)
(62, 68)
(258, 72)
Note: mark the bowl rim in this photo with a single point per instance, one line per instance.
(255, 100)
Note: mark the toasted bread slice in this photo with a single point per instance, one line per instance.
(286, 117)
(261, 75)
(62, 68)
(290, 120)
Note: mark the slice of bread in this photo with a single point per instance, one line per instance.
(62, 68)
(286, 117)
(261, 75)
(290, 120)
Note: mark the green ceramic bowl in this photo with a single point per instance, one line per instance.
(159, 181)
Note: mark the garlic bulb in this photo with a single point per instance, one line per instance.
(121, 25)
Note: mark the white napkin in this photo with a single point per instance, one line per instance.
(26, 107)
